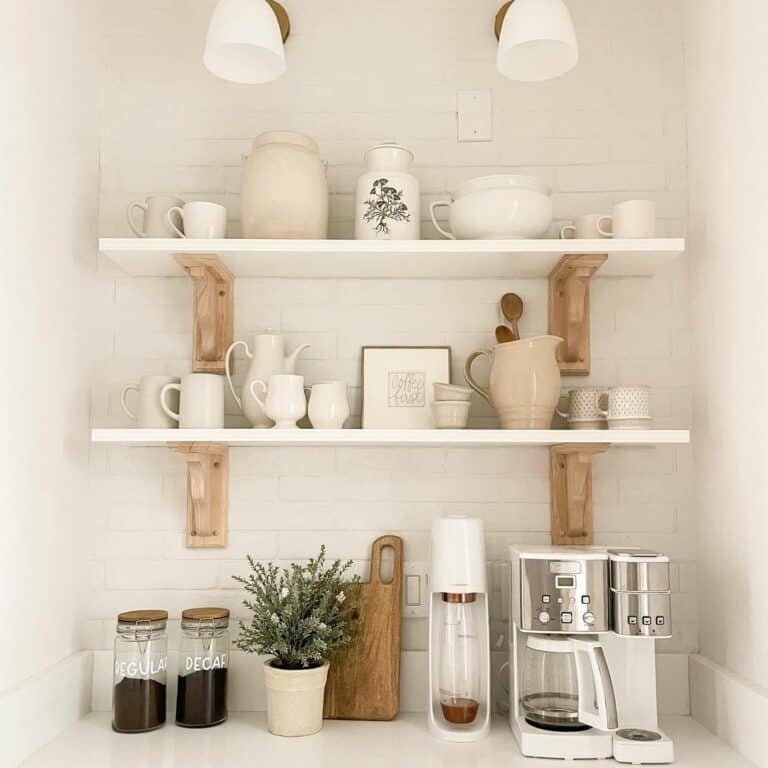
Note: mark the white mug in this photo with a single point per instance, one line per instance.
(201, 397)
(156, 221)
(583, 227)
(285, 402)
(201, 219)
(629, 407)
(585, 406)
(328, 405)
(632, 218)
(150, 414)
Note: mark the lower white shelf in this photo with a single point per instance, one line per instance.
(383, 437)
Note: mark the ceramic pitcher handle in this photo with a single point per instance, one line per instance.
(468, 372)
(432, 207)
(168, 388)
(601, 230)
(131, 208)
(129, 388)
(261, 385)
(169, 216)
(228, 368)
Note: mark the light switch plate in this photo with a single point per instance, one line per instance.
(475, 115)
(415, 590)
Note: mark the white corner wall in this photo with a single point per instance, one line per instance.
(728, 238)
(48, 204)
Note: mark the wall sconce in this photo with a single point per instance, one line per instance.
(537, 40)
(245, 41)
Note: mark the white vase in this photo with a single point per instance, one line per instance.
(295, 699)
(387, 202)
(284, 192)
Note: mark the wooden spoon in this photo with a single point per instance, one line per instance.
(503, 334)
(512, 309)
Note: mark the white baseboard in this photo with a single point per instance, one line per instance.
(247, 693)
(39, 708)
(730, 707)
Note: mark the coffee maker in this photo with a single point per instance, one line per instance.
(459, 707)
(583, 627)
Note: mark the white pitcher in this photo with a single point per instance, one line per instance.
(267, 359)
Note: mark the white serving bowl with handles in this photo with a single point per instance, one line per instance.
(504, 206)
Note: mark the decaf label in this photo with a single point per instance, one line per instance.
(205, 663)
(144, 668)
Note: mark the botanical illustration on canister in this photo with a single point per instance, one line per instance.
(385, 205)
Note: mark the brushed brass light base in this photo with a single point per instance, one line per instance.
(282, 18)
(500, 18)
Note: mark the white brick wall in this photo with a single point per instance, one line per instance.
(359, 73)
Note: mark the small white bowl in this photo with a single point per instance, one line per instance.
(451, 414)
(452, 393)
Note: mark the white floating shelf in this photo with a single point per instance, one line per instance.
(391, 258)
(384, 437)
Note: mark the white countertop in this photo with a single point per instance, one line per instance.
(403, 743)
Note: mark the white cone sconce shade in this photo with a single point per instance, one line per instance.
(245, 41)
(537, 40)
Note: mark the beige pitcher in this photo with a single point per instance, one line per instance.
(525, 381)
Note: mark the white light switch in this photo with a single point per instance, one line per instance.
(415, 590)
(475, 115)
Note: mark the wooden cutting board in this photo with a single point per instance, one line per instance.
(364, 678)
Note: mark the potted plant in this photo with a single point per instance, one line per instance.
(301, 615)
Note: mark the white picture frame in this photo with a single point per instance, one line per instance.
(397, 384)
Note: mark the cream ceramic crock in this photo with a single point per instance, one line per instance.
(525, 381)
(295, 699)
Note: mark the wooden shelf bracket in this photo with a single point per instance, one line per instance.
(569, 309)
(570, 477)
(207, 493)
(213, 308)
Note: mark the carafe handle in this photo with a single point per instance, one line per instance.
(468, 372)
(597, 701)
(228, 368)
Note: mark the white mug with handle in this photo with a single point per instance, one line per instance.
(432, 208)
(201, 401)
(156, 221)
(284, 401)
(631, 219)
(150, 414)
(201, 219)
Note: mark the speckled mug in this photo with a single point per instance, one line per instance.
(628, 403)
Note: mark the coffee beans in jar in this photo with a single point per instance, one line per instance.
(140, 671)
(203, 667)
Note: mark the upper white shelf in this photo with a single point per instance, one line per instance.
(383, 437)
(391, 258)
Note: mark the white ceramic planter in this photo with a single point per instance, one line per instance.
(295, 699)
(387, 201)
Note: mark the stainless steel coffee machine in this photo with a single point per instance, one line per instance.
(584, 622)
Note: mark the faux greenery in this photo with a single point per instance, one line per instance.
(301, 614)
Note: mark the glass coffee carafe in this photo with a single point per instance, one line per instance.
(459, 680)
(554, 668)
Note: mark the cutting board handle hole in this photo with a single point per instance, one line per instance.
(387, 568)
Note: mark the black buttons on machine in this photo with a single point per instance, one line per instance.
(660, 621)
(566, 617)
(632, 620)
(585, 600)
(546, 599)
(646, 621)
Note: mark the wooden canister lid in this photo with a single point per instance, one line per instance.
(135, 617)
(205, 614)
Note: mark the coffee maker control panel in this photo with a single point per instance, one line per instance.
(564, 595)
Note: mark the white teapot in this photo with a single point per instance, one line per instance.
(267, 358)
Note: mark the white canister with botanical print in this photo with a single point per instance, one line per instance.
(387, 199)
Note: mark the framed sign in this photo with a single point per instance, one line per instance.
(397, 385)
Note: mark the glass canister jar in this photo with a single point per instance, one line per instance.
(201, 700)
(140, 672)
